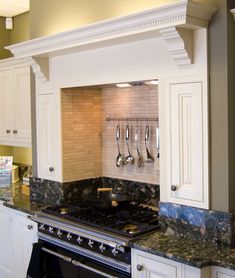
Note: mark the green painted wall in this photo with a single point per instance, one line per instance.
(5, 39)
(20, 32)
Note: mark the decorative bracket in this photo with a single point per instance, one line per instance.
(233, 13)
(180, 42)
(40, 67)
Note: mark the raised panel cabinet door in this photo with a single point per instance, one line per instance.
(147, 266)
(7, 252)
(46, 137)
(25, 235)
(6, 104)
(22, 103)
(188, 145)
(219, 272)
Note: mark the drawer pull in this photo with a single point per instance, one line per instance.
(51, 169)
(173, 188)
(15, 131)
(8, 131)
(30, 227)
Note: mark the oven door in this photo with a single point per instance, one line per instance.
(61, 263)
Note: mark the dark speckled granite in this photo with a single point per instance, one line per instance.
(198, 224)
(194, 253)
(14, 198)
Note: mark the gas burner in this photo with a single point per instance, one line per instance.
(131, 228)
(64, 210)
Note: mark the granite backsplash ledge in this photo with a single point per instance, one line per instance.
(197, 224)
(56, 193)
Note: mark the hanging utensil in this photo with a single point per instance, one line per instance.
(150, 158)
(120, 161)
(140, 161)
(129, 159)
(158, 141)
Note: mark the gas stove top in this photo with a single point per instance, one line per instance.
(130, 220)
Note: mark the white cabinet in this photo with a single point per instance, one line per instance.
(184, 127)
(25, 234)
(48, 137)
(6, 243)
(219, 272)
(145, 265)
(15, 123)
(17, 235)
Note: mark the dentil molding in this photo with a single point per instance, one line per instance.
(174, 23)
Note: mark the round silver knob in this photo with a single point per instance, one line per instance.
(173, 188)
(139, 267)
(15, 131)
(30, 227)
(8, 131)
(69, 237)
(51, 230)
(102, 247)
(91, 243)
(59, 234)
(79, 240)
(51, 169)
(114, 251)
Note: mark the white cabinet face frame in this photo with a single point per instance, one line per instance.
(219, 272)
(184, 129)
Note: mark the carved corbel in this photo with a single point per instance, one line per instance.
(40, 67)
(180, 43)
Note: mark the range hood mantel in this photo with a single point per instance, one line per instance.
(174, 23)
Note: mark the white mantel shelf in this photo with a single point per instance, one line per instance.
(173, 22)
(233, 13)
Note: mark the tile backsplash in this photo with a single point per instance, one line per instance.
(89, 141)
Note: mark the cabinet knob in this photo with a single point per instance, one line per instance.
(30, 227)
(139, 267)
(8, 131)
(173, 188)
(15, 131)
(51, 169)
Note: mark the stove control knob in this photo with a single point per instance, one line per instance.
(91, 243)
(114, 251)
(59, 233)
(51, 230)
(69, 236)
(79, 240)
(102, 247)
(42, 227)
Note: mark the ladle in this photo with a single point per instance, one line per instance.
(150, 158)
(140, 161)
(119, 160)
(129, 159)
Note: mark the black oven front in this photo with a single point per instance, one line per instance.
(58, 262)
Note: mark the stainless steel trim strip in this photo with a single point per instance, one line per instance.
(87, 253)
(92, 269)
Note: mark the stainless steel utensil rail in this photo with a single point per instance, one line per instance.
(137, 119)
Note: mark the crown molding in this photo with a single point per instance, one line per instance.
(13, 62)
(162, 21)
(233, 13)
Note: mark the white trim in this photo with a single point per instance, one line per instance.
(12, 62)
(185, 13)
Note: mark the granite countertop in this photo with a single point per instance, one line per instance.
(193, 253)
(14, 198)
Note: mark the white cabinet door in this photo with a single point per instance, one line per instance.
(6, 108)
(7, 248)
(219, 272)
(48, 138)
(25, 234)
(145, 265)
(186, 150)
(22, 104)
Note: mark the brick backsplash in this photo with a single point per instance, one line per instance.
(89, 145)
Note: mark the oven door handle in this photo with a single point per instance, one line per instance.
(63, 257)
(92, 269)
